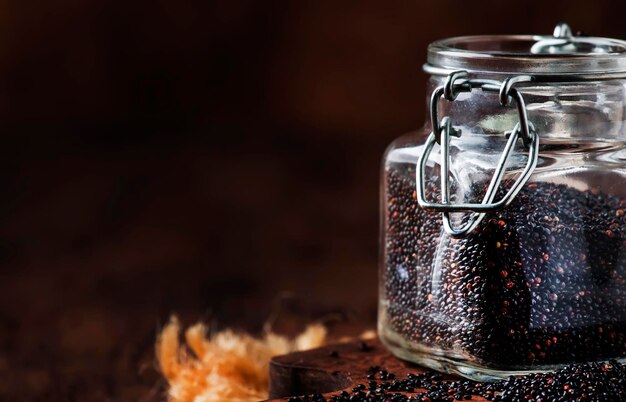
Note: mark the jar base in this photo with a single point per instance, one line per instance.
(447, 362)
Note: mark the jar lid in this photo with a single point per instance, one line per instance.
(560, 57)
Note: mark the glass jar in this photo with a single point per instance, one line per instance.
(504, 218)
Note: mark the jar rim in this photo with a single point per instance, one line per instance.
(560, 58)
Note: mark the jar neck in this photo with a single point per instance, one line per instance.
(559, 112)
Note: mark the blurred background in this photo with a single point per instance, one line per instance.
(214, 159)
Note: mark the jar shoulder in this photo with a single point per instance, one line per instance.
(407, 146)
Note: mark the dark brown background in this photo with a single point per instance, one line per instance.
(202, 158)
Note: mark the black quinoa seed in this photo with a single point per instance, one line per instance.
(594, 382)
(539, 283)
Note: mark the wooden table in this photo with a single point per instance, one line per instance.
(334, 368)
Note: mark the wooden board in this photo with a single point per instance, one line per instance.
(331, 369)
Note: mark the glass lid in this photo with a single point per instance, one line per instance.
(561, 56)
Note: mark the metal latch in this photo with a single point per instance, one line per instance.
(443, 129)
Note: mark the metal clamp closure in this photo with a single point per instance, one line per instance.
(442, 130)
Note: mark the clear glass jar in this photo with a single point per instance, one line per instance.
(540, 280)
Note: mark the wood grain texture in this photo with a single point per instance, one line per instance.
(334, 368)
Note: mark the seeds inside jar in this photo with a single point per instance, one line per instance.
(558, 278)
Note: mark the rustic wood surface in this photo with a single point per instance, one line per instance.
(334, 368)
